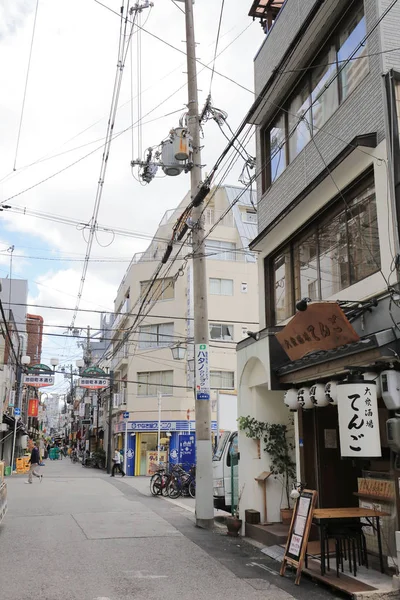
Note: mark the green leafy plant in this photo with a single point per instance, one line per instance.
(279, 443)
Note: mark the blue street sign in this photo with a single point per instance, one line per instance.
(126, 415)
(17, 412)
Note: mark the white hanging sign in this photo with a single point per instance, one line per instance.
(358, 419)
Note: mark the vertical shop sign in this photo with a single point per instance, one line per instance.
(358, 419)
(33, 407)
(202, 372)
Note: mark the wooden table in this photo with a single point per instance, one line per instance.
(322, 515)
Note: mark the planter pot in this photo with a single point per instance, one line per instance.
(234, 525)
(286, 515)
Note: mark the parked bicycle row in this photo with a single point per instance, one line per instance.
(174, 481)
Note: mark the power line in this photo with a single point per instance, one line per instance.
(128, 314)
(124, 41)
(260, 107)
(117, 135)
(26, 86)
(216, 43)
(206, 66)
(178, 7)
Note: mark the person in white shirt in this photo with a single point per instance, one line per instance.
(117, 464)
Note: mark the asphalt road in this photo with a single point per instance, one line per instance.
(80, 535)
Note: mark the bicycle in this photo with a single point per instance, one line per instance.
(183, 483)
(157, 481)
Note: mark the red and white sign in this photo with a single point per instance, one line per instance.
(93, 383)
(39, 380)
(33, 408)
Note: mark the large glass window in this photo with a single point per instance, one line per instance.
(156, 335)
(350, 38)
(326, 84)
(335, 252)
(221, 287)
(150, 383)
(299, 121)
(277, 147)
(222, 380)
(306, 267)
(324, 95)
(283, 300)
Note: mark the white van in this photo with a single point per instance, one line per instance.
(227, 451)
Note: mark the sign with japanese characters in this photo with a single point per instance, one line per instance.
(33, 407)
(38, 380)
(323, 326)
(358, 419)
(92, 383)
(202, 372)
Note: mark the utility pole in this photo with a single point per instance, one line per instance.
(204, 484)
(110, 407)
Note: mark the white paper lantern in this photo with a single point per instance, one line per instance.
(331, 392)
(291, 400)
(371, 376)
(303, 398)
(317, 395)
(358, 420)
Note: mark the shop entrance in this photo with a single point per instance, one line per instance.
(148, 443)
(335, 478)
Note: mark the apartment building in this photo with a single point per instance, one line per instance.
(150, 383)
(326, 115)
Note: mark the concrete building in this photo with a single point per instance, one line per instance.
(326, 112)
(145, 372)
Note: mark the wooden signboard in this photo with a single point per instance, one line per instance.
(296, 545)
(323, 326)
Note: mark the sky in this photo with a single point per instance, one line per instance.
(67, 102)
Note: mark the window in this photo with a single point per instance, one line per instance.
(350, 38)
(160, 289)
(320, 92)
(221, 287)
(150, 383)
(277, 148)
(218, 250)
(220, 331)
(249, 216)
(222, 380)
(299, 122)
(156, 336)
(336, 251)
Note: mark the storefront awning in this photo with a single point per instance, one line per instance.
(21, 427)
(325, 363)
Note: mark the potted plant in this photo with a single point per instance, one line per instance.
(233, 523)
(278, 442)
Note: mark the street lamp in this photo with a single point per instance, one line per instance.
(80, 363)
(54, 362)
(25, 360)
(178, 351)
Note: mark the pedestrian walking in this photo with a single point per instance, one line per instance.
(117, 464)
(34, 462)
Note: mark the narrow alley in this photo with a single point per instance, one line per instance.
(82, 535)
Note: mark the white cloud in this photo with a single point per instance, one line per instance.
(71, 78)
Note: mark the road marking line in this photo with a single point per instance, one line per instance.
(140, 575)
(253, 564)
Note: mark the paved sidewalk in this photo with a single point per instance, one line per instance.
(142, 485)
